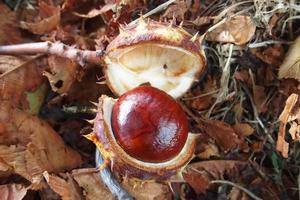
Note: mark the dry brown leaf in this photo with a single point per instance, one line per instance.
(30, 146)
(146, 190)
(201, 98)
(177, 10)
(295, 131)
(282, 146)
(201, 103)
(238, 30)
(267, 188)
(203, 20)
(210, 150)
(12, 192)
(290, 68)
(132, 4)
(272, 55)
(9, 62)
(242, 75)
(199, 174)
(222, 133)
(20, 79)
(237, 194)
(243, 129)
(9, 32)
(65, 187)
(48, 20)
(259, 97)
(18, 158)
(96, 12)
(90, 181)
(62, 73)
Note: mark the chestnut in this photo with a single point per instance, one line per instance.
(149, 124)
(143, 134)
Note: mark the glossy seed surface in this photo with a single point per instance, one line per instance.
(149, 124)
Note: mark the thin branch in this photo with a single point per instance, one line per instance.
(266, 43)
(159, 8)
(253, 196)
(223, 91)
(57, 48)
(199, 96)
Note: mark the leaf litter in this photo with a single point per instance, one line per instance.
(245, 107)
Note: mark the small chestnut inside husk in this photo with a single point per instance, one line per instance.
(143, 134)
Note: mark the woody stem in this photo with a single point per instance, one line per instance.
(56, 48)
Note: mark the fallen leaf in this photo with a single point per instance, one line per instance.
(9, 62)
(257, 146)
(21, 80)
(282, 146)
(146, 190)
(259, 98)
(242, 75)
(238, 30)
(202, 20)
(48, 20)
(287, 114)
(237, 194)
(89, 91)
(243, 129)
(198, 175)
(29, 146)
(266, 188)
(201, 98)
(272, 55)
(295, 131)
(9, 32)
(208, 151)
(90, 181)
(177, 10)
(62, 78)
(65, 187)
(274, 22)
(290, 68)
(12, 192)
(222, 133)
(96, 12)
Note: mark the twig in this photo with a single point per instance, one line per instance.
(288, 19)
(110, 181)
(159, 8)
(60, 49)
(155, 10)
(253, 196)
(224, 82)
(256, 115)
(57, 48)
(199, 96)
(265, 43)
(226, 11)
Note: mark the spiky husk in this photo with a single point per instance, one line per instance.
(122, 163)
(158, 44)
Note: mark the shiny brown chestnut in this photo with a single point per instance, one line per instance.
(144, 133)
(149, 124)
